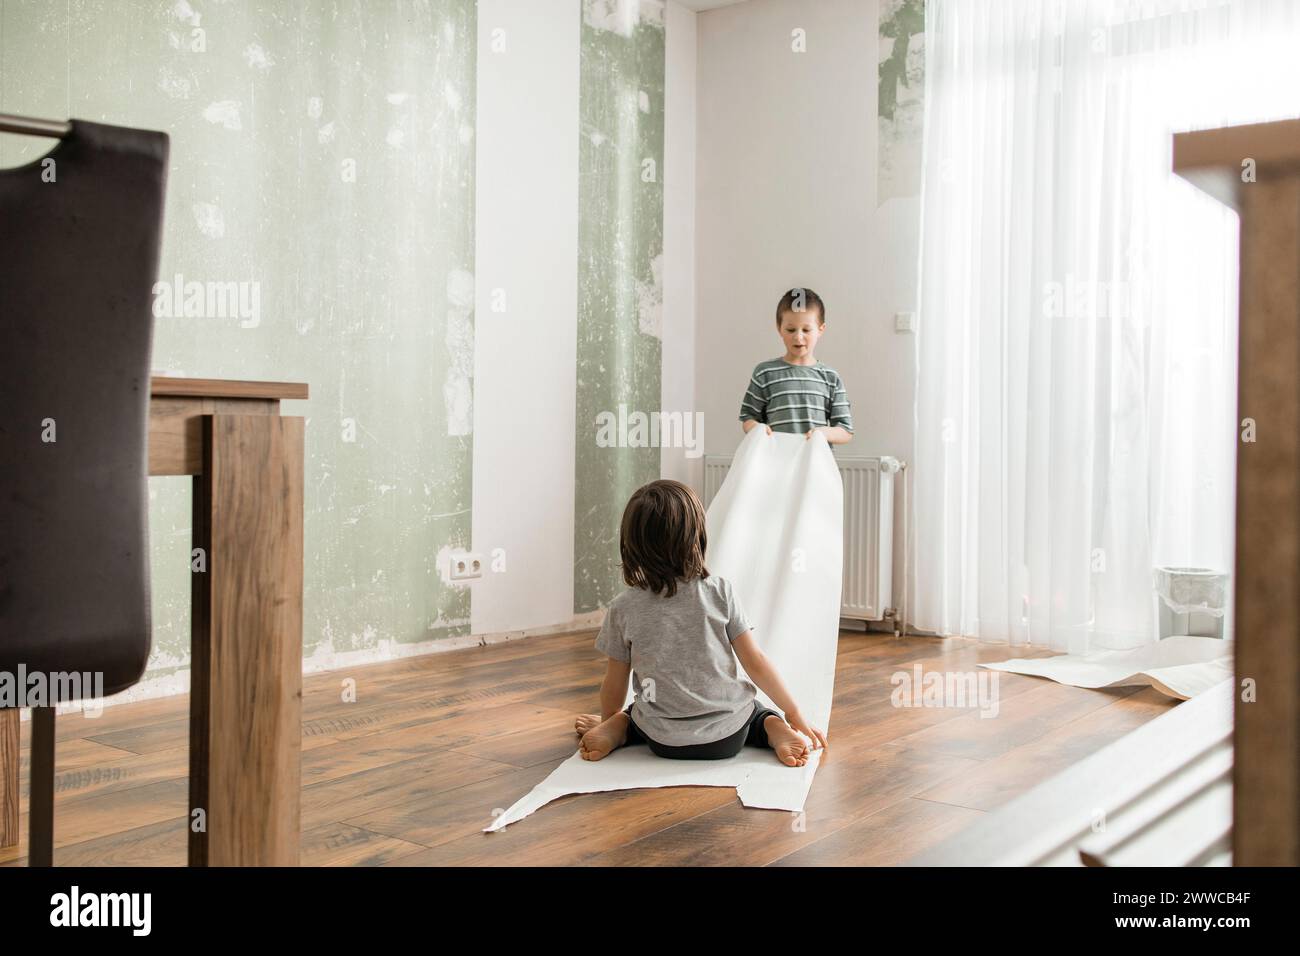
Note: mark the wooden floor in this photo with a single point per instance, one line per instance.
(411, 772)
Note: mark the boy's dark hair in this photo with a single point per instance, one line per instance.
(663, 539)
(799, 301)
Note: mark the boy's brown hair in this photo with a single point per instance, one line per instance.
(663, 539)
(799, 301)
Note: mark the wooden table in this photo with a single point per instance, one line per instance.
(246, 655)
(1255, 169)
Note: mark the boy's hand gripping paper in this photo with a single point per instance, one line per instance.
(776, 532)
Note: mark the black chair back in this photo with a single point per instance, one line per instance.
(80, 232)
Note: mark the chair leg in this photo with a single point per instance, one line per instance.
(40, 811)
(9, 780)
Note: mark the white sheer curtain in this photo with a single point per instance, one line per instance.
(1076, 351)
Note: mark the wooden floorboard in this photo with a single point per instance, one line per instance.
(405, 762)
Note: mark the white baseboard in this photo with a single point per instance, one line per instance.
(179, 681)
(391, 651)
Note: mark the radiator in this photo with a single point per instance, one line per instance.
(868, 529)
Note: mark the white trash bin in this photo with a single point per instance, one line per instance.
(1191, 601)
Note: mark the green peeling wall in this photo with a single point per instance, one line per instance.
(323, 154)
(620, 290)
(324, 151)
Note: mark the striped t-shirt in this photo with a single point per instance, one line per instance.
(796, 398)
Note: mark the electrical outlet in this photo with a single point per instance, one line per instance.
(465, 565)
(904, 321)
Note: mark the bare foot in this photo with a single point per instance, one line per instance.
(585, 722)
(791, 749)
(605, 738)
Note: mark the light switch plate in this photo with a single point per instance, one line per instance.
(904, 321)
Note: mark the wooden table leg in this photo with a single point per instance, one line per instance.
(40, 796)
(8, 777)
(246, 687)
(1266, 771)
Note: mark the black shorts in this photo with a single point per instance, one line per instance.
(751, 734)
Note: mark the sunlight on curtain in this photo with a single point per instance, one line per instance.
(1076, 352)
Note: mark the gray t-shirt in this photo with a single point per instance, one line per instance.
(684, 670)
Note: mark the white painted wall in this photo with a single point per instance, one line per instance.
(526, 244)
(524, 359)
(678, 386)
(786, 196)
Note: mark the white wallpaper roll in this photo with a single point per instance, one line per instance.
(776, 532)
